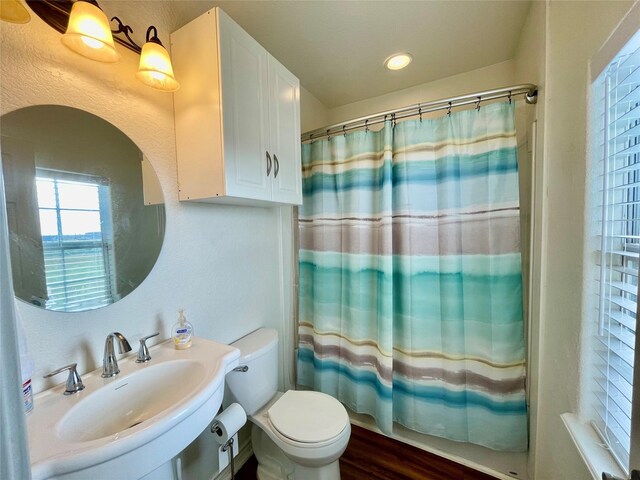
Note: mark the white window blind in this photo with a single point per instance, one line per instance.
(75, 223)
(617, 99)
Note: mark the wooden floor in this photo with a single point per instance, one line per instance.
(370, 456)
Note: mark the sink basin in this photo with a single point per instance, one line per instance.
(127, 426)
(142, 396)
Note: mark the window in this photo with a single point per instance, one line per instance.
(617, 109)
(75, 222)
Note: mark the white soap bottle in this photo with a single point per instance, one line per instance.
(182, 332)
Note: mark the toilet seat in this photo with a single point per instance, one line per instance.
(307, 418)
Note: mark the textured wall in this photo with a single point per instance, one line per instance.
(224, 264)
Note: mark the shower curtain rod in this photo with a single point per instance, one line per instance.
(529, 90)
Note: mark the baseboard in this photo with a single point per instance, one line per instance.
(243, 455)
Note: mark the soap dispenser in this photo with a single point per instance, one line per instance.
(182, 332)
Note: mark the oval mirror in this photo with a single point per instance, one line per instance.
(85, 208)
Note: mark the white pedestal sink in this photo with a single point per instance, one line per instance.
(127, 426)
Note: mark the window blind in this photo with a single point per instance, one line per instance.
(77, 276)
(618, 99)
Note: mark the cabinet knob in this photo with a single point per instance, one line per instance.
(277, 166)
(269, 163)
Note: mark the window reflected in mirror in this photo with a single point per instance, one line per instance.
(77, 238)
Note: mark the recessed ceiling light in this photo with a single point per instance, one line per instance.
(398, 61)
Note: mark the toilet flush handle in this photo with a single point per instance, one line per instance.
(241, 368)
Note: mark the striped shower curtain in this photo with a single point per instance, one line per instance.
(410, 300)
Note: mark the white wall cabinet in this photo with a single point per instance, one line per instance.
(237, 117)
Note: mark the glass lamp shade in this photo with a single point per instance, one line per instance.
(89, 34)
(155, 68)
(13, 11)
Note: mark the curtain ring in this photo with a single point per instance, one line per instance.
(509, 97)
(478, 103)
(328, 135)
(311, 138)
(393, 120)
(344, 131)
(449, 109)
(366, 126)
(420, 113)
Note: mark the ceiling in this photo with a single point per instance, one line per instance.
(337, 48)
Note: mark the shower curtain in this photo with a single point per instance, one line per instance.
(410, 283)
(14, 450)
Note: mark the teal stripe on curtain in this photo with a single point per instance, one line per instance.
(410, 276)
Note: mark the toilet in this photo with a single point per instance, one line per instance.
(296, 435)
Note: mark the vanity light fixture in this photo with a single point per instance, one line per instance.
(89, 34)
(155, 68)
(398, 61)
(13, 11)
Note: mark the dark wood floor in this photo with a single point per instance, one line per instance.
(370, 456)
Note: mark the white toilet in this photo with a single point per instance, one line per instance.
(297, 434)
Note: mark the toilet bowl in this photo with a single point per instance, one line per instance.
(296, 434)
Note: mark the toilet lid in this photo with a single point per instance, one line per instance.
(308, 417)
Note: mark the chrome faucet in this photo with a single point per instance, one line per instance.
(110, 363)
(74, 382)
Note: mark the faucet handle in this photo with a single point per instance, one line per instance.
(74, 382)
(143, 351)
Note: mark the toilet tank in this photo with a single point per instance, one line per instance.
(255, 387)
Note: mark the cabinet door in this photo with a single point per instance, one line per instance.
(284, 112)
(244, 111)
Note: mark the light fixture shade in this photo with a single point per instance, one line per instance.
(89, 34)
(155, 68)
(13, 11)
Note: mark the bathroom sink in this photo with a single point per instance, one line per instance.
(127, 426)
(143, 395)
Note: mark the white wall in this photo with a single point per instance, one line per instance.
(313, 113)
(227, 266)
(575, 32)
